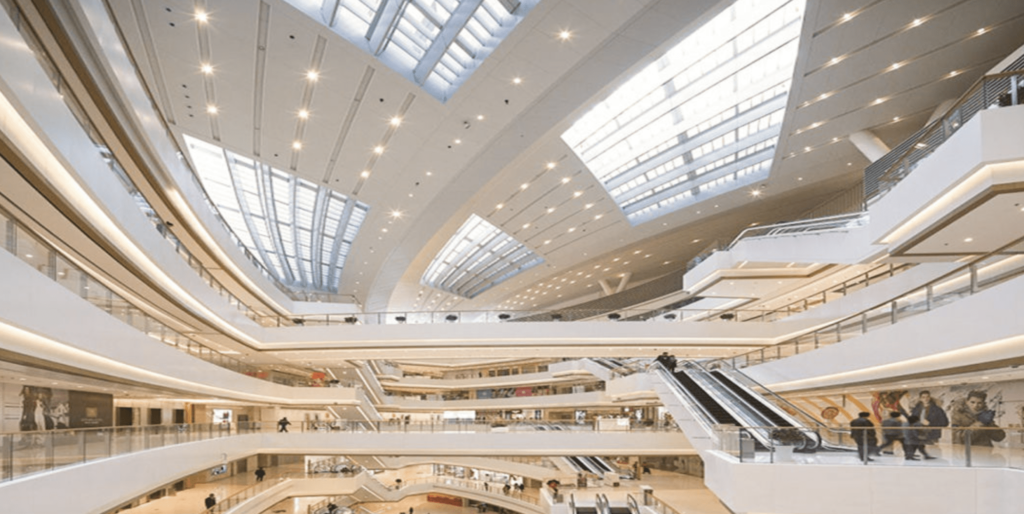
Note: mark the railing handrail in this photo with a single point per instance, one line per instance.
(917, 290)
(808, 224)
(932, 127)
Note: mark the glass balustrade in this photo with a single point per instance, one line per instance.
(978, 447)
(26, 453)
(970, 279)
(35, 251)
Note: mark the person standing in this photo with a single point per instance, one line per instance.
(282, 424)
(932, 417)
(863, 432)
(210, 501)
(260, 473)
(892, 432)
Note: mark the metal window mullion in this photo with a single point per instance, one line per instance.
(320, 208)
(470, 249)
(339, 239)
(293, 188)
(243, 206)
(487, 250)
(384, 23)
(456, 22)
(490, 269)
(270, 215)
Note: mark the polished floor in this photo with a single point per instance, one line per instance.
(683, 493)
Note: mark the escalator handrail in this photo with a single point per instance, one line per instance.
(816, 426)
(601, 502)
(761, 435)
(765, 390)
(572, 503)
(768, 411)
(705, 418)
(634, 507)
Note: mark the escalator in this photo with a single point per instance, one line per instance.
(581, 509)
(719, 415)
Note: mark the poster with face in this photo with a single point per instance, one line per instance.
(43, 408)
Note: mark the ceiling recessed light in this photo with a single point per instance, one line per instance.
(202, 17)
(480, 117)
(206, 68)
(312, 75)
(551, 209)
(577, 194)
(565, 35)
(526, 225)
(895, 118)
(304, 114)
(499, 207)
(895, 66)
(598, 216)
(395, 213)
(211, 109)
(587, 206)
(395, 121)
(981, 31)
(547, 241)
(756, 192)
(458, 141)
(916, 22)
(968, 239)
(365, 173)
(297, 145)
(524, 185)
(378, 150)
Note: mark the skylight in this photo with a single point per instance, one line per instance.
(435, 43)
(301, 232)
(478, 257)
(701, 120)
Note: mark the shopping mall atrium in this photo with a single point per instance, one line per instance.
(512, 256)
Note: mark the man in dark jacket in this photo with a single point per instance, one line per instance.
(210, 501)
(932, 417)
(863, 432)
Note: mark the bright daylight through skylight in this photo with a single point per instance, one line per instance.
(701, 120)
(478, 257)
(435, 43)
(300, 231)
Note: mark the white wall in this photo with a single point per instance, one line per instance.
(858, 489)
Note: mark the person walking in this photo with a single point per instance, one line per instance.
(863, 432)
(210, 501)
(282, 424)
(892, 432)
(914, 440)
(260, 473)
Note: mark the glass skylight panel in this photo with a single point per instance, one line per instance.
(478, 257)
(435, 43)
(683, 128)
(301, 232)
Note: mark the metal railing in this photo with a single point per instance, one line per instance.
(997, 90)
(27, 453)
(841, 222)
(967, 280)
(36, 251)
(981, 445)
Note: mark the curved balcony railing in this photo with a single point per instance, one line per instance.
(37, 252)
(79, 113)
(27, 453)
(967, 280)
